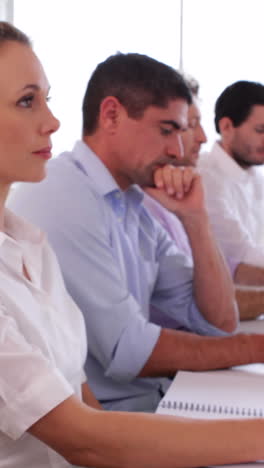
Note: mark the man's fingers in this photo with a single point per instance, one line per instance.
(170, 184)
(158, 178)
(176, 181)
(188, 177)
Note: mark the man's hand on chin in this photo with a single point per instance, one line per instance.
(179, 189)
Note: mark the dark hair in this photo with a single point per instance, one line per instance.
(237, 100)
(8, 32)
(137, 81)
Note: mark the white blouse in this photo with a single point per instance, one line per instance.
(42, 344)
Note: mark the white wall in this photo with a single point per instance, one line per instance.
(71, 37)
(222, 43)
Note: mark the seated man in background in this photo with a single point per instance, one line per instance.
(234, 185)
(117, 260)
(250, 297)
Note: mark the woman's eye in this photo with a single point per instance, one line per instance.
(26, 101)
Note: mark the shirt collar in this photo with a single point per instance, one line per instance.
(228, 165)
(91, 164)
(20, 229)
(20, 239)
(101, 177)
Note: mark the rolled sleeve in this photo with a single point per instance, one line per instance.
(133, 350)
(198, 324)
(26, 396)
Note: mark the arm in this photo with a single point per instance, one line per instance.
(213, 285)
(89, 398)
(198, 353)
(180, 191)
(108, 439)
(250, 275)
(250, 300)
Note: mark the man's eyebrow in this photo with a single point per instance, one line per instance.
(173, 123)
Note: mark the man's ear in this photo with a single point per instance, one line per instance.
(110, 110)
(226, 128)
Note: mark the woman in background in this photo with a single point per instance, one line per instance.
(48, 415)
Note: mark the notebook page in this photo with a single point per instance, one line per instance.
(231, 393)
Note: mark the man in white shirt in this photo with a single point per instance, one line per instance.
(234, 183)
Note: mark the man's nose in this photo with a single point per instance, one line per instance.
(175, 149)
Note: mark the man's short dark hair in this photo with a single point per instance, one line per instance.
(237, 100)
(137, 81)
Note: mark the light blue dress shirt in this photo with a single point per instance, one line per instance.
(116, 261)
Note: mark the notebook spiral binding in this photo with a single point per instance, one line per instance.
(209, 408)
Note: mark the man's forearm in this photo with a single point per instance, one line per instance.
(213, 285)
(177, 350)
(250, 300)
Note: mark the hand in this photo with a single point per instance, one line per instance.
(179, 189)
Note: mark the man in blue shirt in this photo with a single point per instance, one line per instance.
(116, 259)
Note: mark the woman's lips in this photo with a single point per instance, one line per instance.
(44, 152)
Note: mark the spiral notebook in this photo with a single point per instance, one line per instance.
(231, 393)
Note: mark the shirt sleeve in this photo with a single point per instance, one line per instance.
(30, 386)
(83, 377)
(232, 235)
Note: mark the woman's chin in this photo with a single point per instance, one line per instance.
(34, 177)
